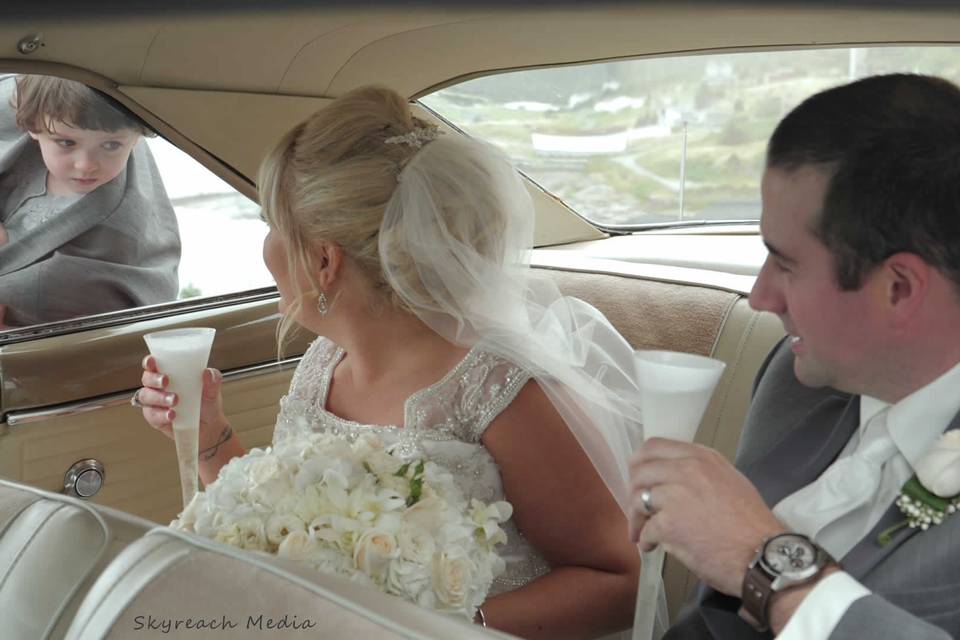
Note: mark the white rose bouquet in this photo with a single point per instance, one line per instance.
(353, 509)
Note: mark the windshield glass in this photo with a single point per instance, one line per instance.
(661, 140)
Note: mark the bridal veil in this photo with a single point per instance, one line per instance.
(455, 244)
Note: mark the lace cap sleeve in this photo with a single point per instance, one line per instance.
(309, 378)
(307, 387)
(464, 403)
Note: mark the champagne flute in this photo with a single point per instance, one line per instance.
(675, 389)
(182, 355)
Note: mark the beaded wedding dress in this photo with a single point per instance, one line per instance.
(443, 422)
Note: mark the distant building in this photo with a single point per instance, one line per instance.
(535, 107)
(547, 144)
(613, 105)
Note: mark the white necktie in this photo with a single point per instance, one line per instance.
(847, 485)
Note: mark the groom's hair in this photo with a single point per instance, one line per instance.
(892, 147)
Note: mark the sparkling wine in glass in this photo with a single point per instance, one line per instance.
(182, 355)
(675, 389)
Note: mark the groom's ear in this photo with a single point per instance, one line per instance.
(328, 258)
(905, 281)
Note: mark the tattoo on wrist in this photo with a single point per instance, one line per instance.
(213, 449)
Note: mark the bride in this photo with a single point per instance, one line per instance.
(407, 252)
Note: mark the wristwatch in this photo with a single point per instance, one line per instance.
(782, 561)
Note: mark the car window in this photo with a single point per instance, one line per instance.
(97, 214)
(661, 140)
(221, 232)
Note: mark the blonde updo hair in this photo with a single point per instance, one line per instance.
(330, 178)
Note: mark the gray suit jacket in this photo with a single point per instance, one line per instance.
(791, 435)
(117, 247)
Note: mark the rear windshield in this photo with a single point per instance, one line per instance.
(661, 140)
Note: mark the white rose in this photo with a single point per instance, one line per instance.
(459, 533)
(374, 551)
(410, 580)
(428, 514)
(281, 525)
(205, 518)
(416, 545)
(389, 521)
(330, 560)
(939, 470)
(297, 545)
(229, 534)
(452, 575)
(267, 494)
(263, 469)
(253, 534)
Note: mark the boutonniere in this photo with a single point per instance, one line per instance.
(934, 492)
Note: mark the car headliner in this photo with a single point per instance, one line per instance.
(225, 86)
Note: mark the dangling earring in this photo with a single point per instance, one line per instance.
(322, 305)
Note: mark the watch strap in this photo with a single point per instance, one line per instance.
(757, 589)
(758, 584)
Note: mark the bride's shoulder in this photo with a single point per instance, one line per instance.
(315, 360)
(485, 384)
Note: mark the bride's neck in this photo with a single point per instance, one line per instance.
(390, 341)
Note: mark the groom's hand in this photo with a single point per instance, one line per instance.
(705, 512)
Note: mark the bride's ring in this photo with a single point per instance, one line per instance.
(646, 499)
(135, 400)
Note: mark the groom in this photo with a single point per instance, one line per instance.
(861, 217)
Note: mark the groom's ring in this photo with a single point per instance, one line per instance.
(135, 400)
(646, 499)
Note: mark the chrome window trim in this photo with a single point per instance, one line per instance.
(19, 418)
(128, 316)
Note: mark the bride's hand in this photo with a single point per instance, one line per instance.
(159, 405)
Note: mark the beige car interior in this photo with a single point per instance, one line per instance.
(223, 88)
(654, 307)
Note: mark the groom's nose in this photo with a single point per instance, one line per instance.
(766, 294)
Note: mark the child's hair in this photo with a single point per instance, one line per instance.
(42, 101)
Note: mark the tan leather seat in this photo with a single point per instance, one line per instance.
(709, 317)
(168, 577)
(52, 548)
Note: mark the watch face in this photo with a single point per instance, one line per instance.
(789, 555)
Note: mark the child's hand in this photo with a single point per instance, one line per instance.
(4, 238)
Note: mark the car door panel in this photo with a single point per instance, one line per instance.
(66, 398)
(140, 465)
